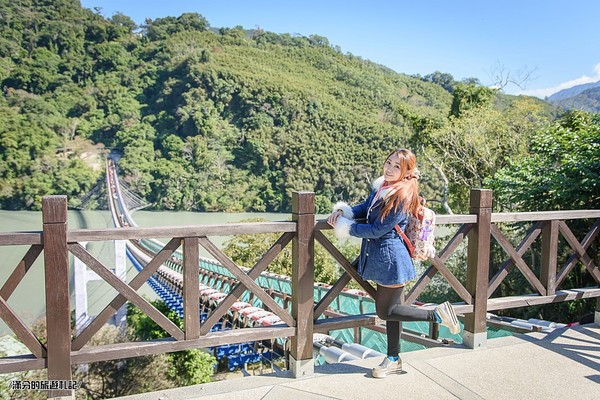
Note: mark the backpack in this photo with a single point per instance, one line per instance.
(419, 233)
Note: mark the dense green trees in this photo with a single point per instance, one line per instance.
(255, 114)
(36, 153)
(472, 146)
(561, 170)
(233, 120)
(229, 121)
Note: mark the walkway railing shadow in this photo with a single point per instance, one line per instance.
(64, 349)
(583, 348)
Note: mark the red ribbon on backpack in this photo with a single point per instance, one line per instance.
(409, 245)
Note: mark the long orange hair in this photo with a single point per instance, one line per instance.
(405, 191)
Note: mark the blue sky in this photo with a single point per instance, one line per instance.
(557, 42)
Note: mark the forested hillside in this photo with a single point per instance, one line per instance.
(220, 119)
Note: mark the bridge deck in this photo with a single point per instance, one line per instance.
(564, 364)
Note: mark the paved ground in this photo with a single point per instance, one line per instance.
(564, 364)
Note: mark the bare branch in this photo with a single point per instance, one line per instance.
(502, 76)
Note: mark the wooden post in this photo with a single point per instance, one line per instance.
(303, 246)
(478, 268)
(191, 292)
(58, 311)
(549, 256)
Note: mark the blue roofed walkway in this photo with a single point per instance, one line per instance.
(563, 364)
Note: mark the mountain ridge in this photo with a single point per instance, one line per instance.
(572, 91)
(585, 97)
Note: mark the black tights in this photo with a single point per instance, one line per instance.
(389, 307)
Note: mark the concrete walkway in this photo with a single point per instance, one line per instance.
(564, 364)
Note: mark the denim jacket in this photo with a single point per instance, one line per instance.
(384, 258)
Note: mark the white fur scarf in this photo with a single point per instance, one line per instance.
(342, 227)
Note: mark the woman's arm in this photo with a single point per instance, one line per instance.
(343, 209)
(378, 228)
(343, 215)
(344, 227)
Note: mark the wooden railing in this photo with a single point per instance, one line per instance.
(479, 227)
(63, 349)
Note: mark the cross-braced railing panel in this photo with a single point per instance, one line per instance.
(9, 315)
(125, 290)
(438, 265)
(247, 281)
(574, 258)
(343, 280)
(117, 302)
(549, 280)
(216, 314)
(580, 250)
(509, 264)
(517, 260)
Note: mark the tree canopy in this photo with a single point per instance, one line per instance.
(561, 170)
(205, 119)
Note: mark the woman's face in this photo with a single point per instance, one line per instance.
(392, 169)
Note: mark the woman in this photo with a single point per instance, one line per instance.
(384, 258)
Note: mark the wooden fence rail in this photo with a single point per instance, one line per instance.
(480, 228)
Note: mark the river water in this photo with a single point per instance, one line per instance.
(28, 298)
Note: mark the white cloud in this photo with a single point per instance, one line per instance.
(565, 85)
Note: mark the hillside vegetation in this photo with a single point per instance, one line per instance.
(228, 119)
